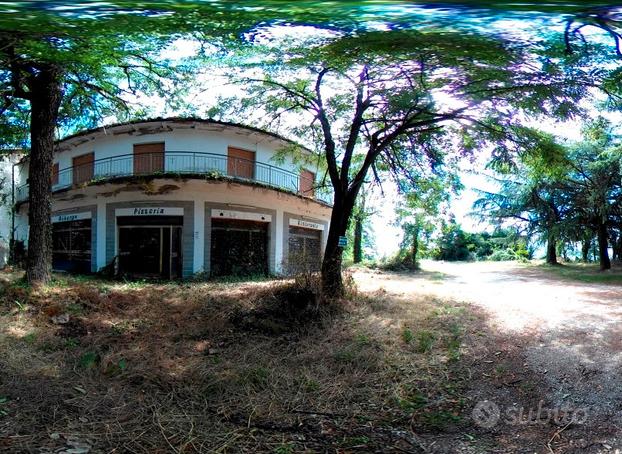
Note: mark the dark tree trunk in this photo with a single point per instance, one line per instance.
(332, 281)
(358, 239)
(603, 248)
(45, 95)
(585, 250)
(551, 252)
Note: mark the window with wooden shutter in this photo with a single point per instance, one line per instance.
(55, 174)
(240, 163)
(83, 167)
(306, 185)
(148, 158)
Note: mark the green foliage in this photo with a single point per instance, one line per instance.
(454, 244)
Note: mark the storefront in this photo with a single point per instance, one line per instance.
(305, 246)
(72, 242)
(150, 242)
(239, 243)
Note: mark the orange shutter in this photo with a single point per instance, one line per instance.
(83, 168)
(240, 163)
(307, 183)
(148, 158)
(55, 174)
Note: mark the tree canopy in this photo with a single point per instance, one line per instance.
(390, 88)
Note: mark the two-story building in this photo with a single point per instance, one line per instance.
(174, 197)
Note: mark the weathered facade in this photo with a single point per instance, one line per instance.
(171, 198)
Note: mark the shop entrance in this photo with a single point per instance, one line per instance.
(305, 250)
(71, 250)
(150, 246)
(239, 247)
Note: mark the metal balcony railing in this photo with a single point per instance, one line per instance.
(173, 163)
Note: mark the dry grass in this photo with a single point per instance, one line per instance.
(216, 367)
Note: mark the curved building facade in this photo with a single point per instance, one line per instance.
(171, 198)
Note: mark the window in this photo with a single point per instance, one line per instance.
(55, 174)
(83, 168)
(240, 163)
(148, 158)
(71, 246)
(306, 185)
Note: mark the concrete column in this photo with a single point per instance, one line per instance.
(199, 236)
(279, 239)
(100, 247)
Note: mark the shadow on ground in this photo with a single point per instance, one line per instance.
(217, 367)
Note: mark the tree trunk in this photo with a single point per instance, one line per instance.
(358, 239)
(414, 249)
(619, 247)
(332, 281)
(603, 248)
(551, 252)
(585, 250)
(45, 97)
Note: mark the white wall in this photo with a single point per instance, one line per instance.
(6, 169)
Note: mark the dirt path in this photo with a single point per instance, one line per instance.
(519, 297)
(566, 336)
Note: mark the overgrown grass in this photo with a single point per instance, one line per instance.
(588, 273)
(230, 367)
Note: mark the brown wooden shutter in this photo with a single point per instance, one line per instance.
(55, 174)
(148, 158)
(83, 168)
(307, 183)
(240, 163)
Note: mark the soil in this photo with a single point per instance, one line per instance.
(550, 346)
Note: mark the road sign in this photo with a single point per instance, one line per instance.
(343, 241)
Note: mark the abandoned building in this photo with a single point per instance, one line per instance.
(170, 198)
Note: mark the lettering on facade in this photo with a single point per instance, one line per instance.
(148, 211)
(306, 224)
(71, 217)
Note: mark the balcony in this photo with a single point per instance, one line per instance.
(171, 164)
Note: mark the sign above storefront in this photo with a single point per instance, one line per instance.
(71, 217)
(149, 211)
(241, 215)
(306, 224)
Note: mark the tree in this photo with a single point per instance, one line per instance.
(573, 198)
(532, 194)
(594, 186)
(54, 67)
(384, 102)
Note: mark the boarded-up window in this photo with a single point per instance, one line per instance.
(307, 183)
(305, 250)
(55, 174)
(148, 158)
(83, 168)
(240, 163)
